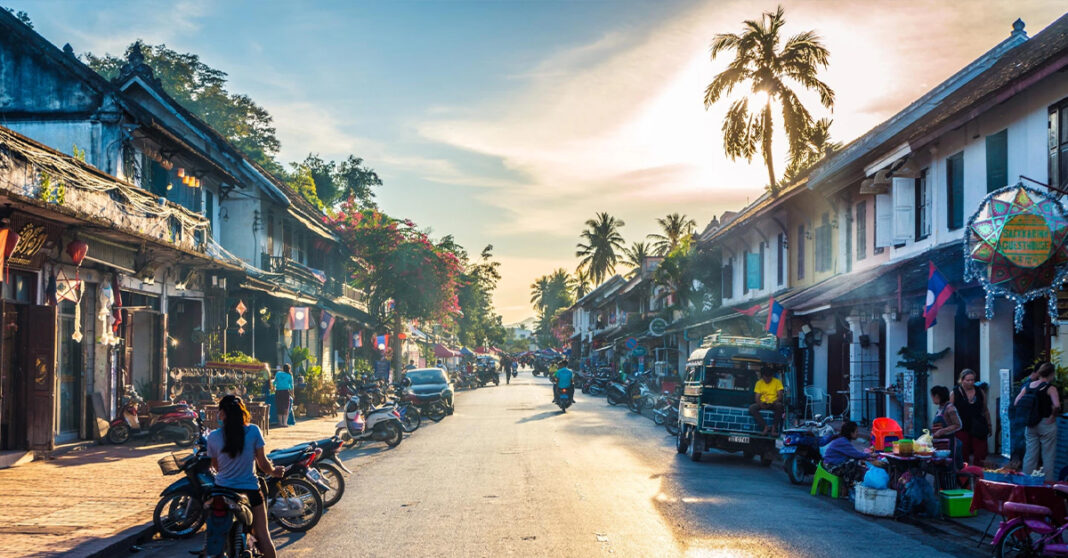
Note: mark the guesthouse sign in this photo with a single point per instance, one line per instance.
(1015, 248)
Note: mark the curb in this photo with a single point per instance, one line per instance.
(124, 540)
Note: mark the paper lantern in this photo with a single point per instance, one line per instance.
(77, 250)
(11, 243)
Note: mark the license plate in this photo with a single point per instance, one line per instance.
(738, 439)
(315, 475)
(789, 449)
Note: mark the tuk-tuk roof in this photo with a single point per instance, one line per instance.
(722, 347)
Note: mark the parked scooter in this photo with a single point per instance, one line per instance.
(380, 425)
(800, 447)
(616, 392)
(565, 397)
(639, 394)
(172, 423)
(324, 476)
(666, 412)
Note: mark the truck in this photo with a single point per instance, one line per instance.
(717, 393)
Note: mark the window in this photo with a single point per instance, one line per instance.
(760, 266)
(270, 233)
(745, 271)
(209, 211)
(862, 230)
(997, 160)
(800, 251)
(780, 259)
(955, 191)
(728, 279)
(923, 206)
(753, 270)
(1058, 144)
(884, 216)
(848, 240)
(823, 244)
(904, 222)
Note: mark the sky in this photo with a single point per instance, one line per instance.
(510, 123)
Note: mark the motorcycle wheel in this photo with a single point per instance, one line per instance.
(332, 475)
(435, 411)
(635, 404)
(292, 487)
(658, 418)
(346, 439)
(170, 516)
(612, 398)
(1019, 541)
(411, 418)
(672, 427)
(119, 434)
(396, 434)
(795, 469)
(190, 437)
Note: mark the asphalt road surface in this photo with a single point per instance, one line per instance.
(510, 475)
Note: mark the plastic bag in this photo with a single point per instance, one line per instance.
(876, 478)
(924, 443)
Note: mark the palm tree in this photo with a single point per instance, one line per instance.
(765, 68)
(637, 252)
(676, 227)
(539, 293)
(600, 246)
(817, 145)
(581, 283)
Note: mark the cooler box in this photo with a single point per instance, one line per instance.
(879, 503)
(884, 431)
(957, 503)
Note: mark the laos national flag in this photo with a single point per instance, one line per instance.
(298, 318)
(776, 318)
(938, 292)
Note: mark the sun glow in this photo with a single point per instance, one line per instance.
(757, 100)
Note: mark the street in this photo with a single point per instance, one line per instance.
(509, 475)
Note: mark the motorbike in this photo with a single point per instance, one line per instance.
(178, 513)
(666, 412)
(379, 424)
(639, 394)
(229, 525)
(325, 476)
(565, 397)
(488, 374)
(410, 415)
(616, 392)
(171, 423)
(800, 447)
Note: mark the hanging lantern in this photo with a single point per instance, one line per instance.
(12, 242)
(77, 250)
(181, 172)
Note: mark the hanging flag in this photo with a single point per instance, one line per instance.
(938, 292)
(382, 341)
(751, 311)
(298, 318)
(357, 339)
(326, 323)
(117, 306)
(776, 318)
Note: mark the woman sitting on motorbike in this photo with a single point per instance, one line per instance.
(235, 450)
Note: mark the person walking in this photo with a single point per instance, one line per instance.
(1043, 406)
(974, 416)
(283, 394)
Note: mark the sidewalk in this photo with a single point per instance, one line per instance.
(95, 496)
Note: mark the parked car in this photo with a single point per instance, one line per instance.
(430, 381)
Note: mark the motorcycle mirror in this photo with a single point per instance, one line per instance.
(406, 382)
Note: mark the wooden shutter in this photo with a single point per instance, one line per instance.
(955, 190)
(904, 190)
(39, 368)
(884, 212)
(997, 160)
(1053, 142)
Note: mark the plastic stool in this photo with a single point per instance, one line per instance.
(819, 480)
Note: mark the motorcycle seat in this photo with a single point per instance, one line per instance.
(168, 409)
(238, 497)
(324, 443)
(286, 459)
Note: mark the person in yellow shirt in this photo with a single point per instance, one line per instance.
(768, 392)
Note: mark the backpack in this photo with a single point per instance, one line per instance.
(1028, 404)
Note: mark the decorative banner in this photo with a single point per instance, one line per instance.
(326, 323)
(1015, 247)
(298, 318)
(1005, 390)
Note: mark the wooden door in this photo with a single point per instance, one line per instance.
(38, 366)
(837, 371)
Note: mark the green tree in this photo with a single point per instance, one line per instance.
(600, 246)
(479, 324)
(769, 71)
(23, 17)
(817, 145)
(676, 228)
(636, 252)
(581, 283)
(336, 182)
(550, 294)
(302, 182)
(202, 90)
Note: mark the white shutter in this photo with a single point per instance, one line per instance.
(884, 212)
(904, 209)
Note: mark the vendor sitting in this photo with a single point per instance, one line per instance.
(842, 459)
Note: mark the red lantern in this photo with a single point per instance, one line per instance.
(77, 250)
(11, 242)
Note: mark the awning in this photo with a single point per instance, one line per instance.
(346, 311)
(317, 228)
(466, 352)
(441, 351)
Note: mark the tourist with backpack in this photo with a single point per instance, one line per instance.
(1040, 403)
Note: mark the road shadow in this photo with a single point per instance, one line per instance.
(540, 416)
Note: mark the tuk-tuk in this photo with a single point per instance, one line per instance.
(718, 390)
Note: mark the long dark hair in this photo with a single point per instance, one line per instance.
(235, 417)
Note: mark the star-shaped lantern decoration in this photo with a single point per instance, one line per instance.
(1015, 247)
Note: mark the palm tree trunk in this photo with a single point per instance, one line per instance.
(773, 187)
(398, 345)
